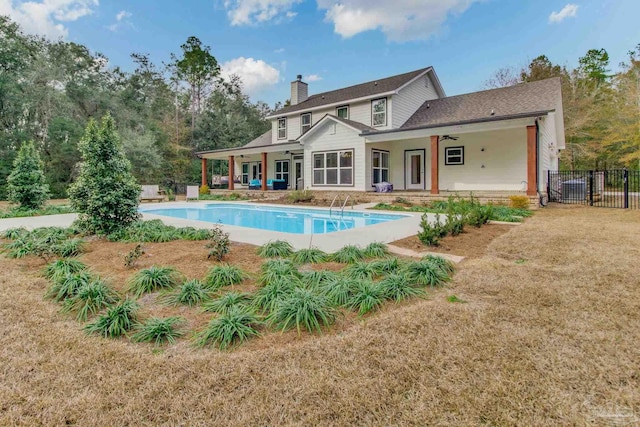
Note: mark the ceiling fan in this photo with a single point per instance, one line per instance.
(445, 137)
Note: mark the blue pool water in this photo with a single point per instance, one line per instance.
(287, 220)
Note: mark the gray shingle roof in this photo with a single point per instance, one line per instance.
(526, 98)
(360, 126)
(352, 92)
(264, 139)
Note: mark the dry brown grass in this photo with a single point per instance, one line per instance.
(549, 336)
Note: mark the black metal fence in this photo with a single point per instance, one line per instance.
(618, 188)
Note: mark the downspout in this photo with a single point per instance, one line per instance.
(540, 198)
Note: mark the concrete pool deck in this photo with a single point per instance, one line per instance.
(384, 232)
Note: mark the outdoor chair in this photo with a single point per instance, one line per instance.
(193, 192)
(151, 193)
(255, 184)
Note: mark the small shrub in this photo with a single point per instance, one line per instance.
(267, 298)
(118, 320)
(309, 256)
(454, 224)
(425, 273)
(276, 249)
(204, 189)
(298, 196)
(224, 275)
(27, 184)
(376, 250)
(276, 269)
(479, 215)
(132, 257)
(90, 299)
(431, 232)
(159, 331)
(303, 308)
(190, 293)
(396, 287)
(14, 233)
(348, 255)
(60, 269)
(367, 296)
(402, 201)
(385, 266)
(152, 279)
(360, 270)
(68, 286)
(232, 328)
(218, 243)
(227, 302)
(519, 202)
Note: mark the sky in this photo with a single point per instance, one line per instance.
(337, 43)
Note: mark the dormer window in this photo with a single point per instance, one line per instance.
(305, 122)
(379, 112)
(282, 128)
(343, 112)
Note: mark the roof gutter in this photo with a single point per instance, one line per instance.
(461, 122)
(222, 150)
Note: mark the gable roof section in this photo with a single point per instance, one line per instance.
(355, 126)
(522, 100)
(262, 140)
(363, 90)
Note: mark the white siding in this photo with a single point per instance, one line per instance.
(410, 98)
(548, 149)
(397, 151)
(344, 138)
(271, 165)
(502, 166)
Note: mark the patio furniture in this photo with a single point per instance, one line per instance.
(193, 192)
(216, 181)
(151, 193)
(384, 187)
(276, 184)
(255, 184)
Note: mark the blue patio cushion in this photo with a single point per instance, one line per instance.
(255, 182)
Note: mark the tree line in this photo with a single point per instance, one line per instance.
(49, 91)
(601, 109)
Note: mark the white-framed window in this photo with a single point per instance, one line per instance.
(245, 174)
(305, 122)
(454, 156)
(333, 168)
(282, 128)
(379, 166)
(343, 112)
(379, 112)
(282, 170)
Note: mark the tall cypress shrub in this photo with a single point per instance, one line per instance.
(26, 185)
(105, 194)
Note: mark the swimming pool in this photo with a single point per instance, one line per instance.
(275, 218)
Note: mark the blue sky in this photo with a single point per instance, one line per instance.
(336, 43)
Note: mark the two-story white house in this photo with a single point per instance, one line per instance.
(405, 131)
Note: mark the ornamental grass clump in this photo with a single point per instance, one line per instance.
(117, 321)
(192, 292)
(303, 309)
(223, 275)
(153, 279)
(267, 298)
(14, 233)
(443, 264)
(57, 270)
(385, 266)
(69, 248)
(90, 299)
(275, 269)
(348, 255)
(376, 250)
(159, 330)
(276, 249)
(69, 285)
(367, 296)
(319, 278)
(360, 270)
(227, 302)
(229, 329)
(425, 273)
(396, 287)
(309, 256)
(190, 233)
(340, 291)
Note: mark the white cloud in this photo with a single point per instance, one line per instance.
(569, 11)
(281, 50)
(123, 14)
(45, 17)
(122, 19)
(312, 78)
(249, 12)
(399, 20)
(256, 75)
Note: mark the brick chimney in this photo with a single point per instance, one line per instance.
(299, 91)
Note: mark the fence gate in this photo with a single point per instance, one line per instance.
(618, 188)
